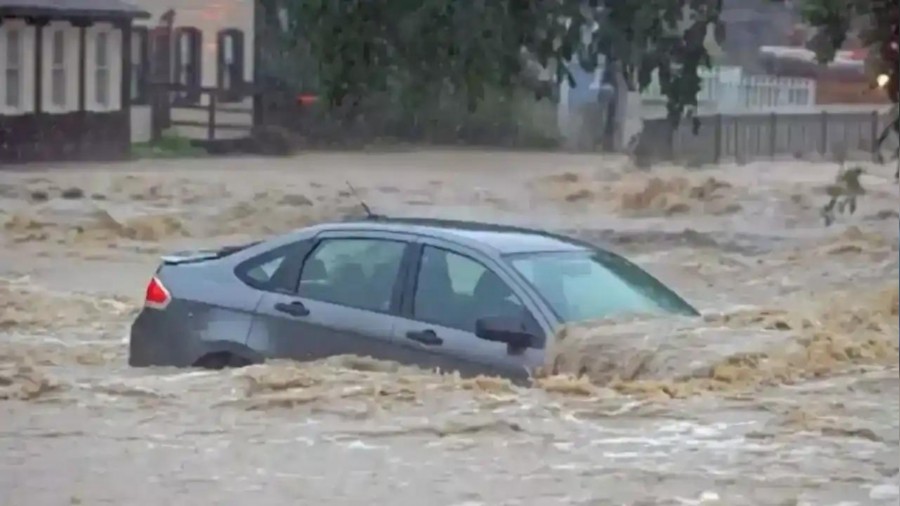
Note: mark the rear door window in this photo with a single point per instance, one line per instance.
(354, 272)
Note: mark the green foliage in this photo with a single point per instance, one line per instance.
(170, 145)
(877, 22)
(426, 48)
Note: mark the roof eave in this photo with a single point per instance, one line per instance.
(72, 13)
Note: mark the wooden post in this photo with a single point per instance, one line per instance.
(37, 147)
(157, 95)
(82, 67)
(736, 136)
(773, 136)
(211, 127)
(161, 77)
(671, 132)
(259, 24)
(38, 65)
(874, 135)
(125, 83)
(823, 139)
(85, 140)
(717, 148)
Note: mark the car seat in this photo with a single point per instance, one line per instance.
(314, 270)
(492, 297)
(313, 279)
(381, 283)
(347, 286)
(550, 284)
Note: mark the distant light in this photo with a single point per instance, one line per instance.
(882, 80)
(307, 99)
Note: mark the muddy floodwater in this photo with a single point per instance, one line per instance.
(785, 392)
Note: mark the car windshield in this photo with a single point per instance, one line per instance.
(587, 285)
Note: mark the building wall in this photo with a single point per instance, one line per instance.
(59, 129)
(210, 17)
(750, 24)
(68, 67)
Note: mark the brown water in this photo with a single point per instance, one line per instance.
(787, 391)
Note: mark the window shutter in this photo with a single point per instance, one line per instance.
(237, 69)
(195, 75)
(221, 68)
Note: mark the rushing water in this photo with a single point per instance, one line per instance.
(787, 391)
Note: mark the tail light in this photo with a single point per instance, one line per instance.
(307, 99)
(157, 296)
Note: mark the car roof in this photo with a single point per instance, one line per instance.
(503, 239)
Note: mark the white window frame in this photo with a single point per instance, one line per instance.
(58, 70)
(111, 71)
(25, 67)
(101, 69)
(9, 67)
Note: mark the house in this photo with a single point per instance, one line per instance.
(750, 24)
(187, 51)
(63, 88)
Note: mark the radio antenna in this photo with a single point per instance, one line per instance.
(369, 214)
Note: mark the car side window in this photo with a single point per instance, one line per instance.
(272, 271)
(359, 273)
(264, 272)
(454, 291)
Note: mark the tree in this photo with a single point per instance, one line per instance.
(463, 48)
(877, 23)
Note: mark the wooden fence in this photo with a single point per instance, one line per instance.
(200, 120)
(754, 136)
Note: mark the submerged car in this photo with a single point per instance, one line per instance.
(464, 296)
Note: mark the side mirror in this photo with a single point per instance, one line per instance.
(504, 329)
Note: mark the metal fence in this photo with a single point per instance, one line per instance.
(753, 136)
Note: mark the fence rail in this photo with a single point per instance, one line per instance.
(754, 136)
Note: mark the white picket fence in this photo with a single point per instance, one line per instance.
(728, 90)
(723, 90)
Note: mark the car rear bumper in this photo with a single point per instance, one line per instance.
(172, 337)
(154, 342)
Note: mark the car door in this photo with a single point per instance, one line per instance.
(440, 309)
(345, 300)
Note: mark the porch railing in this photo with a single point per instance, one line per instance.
(164, 99)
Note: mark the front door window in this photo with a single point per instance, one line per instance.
(454, 291)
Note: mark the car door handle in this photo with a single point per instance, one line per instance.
(427, 337)
(295, 308)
